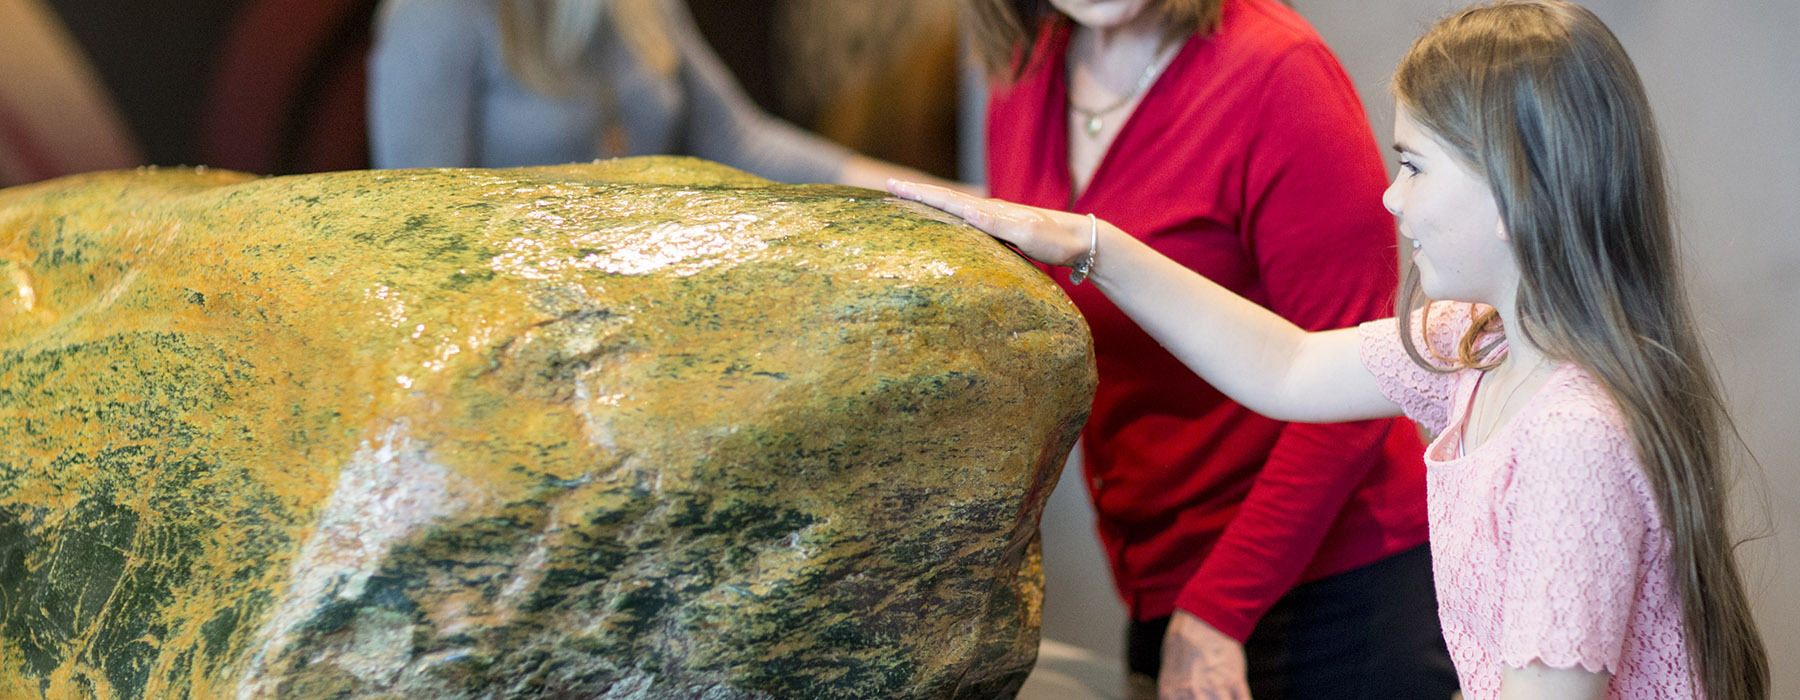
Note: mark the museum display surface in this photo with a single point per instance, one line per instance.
(648, 428)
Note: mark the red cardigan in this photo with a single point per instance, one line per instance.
(1250, 161)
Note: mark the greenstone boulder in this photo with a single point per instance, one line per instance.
(645, 429)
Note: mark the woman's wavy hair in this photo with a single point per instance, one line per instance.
(1003, 30)
(1539, 97)
(545, 41)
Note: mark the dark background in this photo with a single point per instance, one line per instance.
(276, 86)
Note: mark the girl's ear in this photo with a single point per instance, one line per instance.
(1500, 229)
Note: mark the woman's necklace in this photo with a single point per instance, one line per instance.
(1093, 120)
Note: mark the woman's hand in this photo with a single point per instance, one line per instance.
(1054, 237)
(1200, 663)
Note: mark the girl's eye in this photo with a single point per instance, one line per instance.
(1407, 167)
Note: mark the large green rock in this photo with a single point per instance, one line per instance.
(640, 429)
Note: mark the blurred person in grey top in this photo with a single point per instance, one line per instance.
(505, 83)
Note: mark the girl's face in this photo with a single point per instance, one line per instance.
(1448, 216)
(1103, 14)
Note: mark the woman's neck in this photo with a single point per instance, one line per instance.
(1116, 56)
(1108, 70)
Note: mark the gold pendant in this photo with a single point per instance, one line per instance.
(1092, 125)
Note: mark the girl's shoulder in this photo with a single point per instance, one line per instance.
(1572, 434)
(1573, 406)
(1422, 392)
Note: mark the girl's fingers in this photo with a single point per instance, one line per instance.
(943, 198)
(982, 213)
(1025, 227)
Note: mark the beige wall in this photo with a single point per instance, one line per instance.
(1722, 75)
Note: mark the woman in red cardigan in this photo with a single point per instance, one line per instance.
(1280, 560)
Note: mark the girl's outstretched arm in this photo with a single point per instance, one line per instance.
(1539, 682)
(1257, 358)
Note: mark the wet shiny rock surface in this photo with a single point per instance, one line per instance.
(640, 429)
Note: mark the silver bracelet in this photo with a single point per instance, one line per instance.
(1079, 271)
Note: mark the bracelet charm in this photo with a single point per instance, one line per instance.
(1079, 271)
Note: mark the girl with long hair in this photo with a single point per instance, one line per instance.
(1576, 478)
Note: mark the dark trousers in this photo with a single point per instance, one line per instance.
(1370, 632)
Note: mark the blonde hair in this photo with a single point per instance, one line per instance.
(1540, 98)
(1003, 30)
(545, 41)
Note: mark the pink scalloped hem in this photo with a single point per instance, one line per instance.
(1558, 661)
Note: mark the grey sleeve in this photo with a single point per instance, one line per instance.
(425, 71)
(724, 125)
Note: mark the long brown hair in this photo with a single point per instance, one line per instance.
(544, 41)
(1540, 98)
(1003, 30)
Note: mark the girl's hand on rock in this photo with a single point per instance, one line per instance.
(1054, 237)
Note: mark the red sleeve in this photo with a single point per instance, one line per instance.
(1324, 247)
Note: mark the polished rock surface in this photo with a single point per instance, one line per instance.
(648, 428)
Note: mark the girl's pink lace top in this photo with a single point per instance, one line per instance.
(1546, 542)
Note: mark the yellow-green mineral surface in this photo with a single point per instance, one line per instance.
(639, 429)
